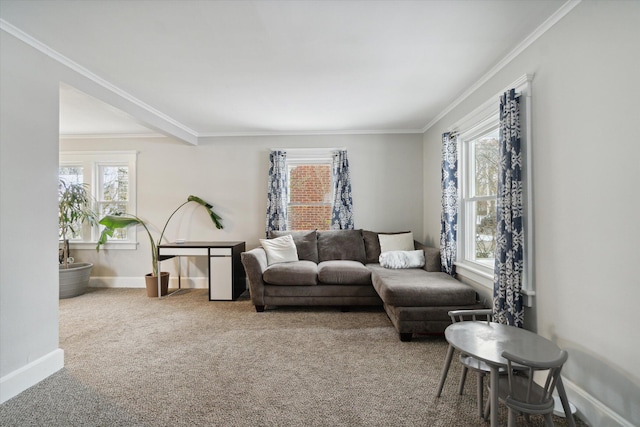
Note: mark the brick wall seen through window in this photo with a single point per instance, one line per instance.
(310, 187)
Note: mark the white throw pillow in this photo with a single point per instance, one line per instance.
(402, 259)
(280, 249)
(396, 242)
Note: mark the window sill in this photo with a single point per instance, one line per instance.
(110, 245)
(483, 277)
(479, 274)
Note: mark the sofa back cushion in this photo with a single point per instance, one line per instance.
(306, 243)
(372, 244)
(431, 257)
(341, 244)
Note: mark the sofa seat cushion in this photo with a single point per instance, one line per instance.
(417, 288)
(292, 273)
(344, 273)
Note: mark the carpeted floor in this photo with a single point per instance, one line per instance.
(184, 361)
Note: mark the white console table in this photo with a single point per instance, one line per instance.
(225, 271)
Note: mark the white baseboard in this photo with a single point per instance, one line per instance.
(592, 410)
(29, 375)
(138, 282)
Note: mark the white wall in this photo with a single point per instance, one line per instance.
(586, 204)
(231, 173)
(28, 228)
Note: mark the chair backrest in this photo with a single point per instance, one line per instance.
(524, 392)
(485, 314)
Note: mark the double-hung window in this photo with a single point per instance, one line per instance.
(111, 177)
(478, 160)
(479, 189)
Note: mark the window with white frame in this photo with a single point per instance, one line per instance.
(478, 148)
(111, 177)
(310, 189)
(478, 190)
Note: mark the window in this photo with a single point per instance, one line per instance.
(112, 180)
(310, 189)
(73, 175)
(478, 157)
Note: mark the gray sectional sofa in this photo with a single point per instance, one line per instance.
(341, 268)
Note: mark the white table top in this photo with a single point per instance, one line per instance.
(487, 342)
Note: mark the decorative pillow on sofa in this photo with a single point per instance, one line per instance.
(402, 259)
(281, 249)
(306, 243)
(372, 244)
(396, 242)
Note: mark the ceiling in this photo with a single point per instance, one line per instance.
(277, 67)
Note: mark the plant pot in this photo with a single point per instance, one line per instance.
(74, 280)
(152, 284)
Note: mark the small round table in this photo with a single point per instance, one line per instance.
(486, 342)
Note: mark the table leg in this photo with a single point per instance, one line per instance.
(565, 402)
(494, 395)
(159, 279)
(445, 369)
(179, 273)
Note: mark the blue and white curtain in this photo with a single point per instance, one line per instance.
(449, 214)
(278, 192)
(342, 210)
(507, 300)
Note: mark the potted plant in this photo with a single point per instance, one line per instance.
(123, 220)
(74, 209)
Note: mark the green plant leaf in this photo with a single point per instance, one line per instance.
(112, 223)
(200, 201)
(215, 218)
(119, 221)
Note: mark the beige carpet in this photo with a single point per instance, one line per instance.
(184, 361)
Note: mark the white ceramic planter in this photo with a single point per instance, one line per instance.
(75, 279)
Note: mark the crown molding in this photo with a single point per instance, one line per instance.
(535, 35)
(67, 62)
(310, 133)
(112, 135)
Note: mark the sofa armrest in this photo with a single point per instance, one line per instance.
(431, 257)
(255, 263)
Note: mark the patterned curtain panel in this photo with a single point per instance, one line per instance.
(507, 282)
(449, 214)
(342, 211)
(277, 195)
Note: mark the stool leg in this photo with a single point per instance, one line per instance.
(463, 378)
(511, 420)
(445, 369)
(487, 409)
(480, 390)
